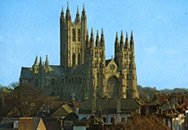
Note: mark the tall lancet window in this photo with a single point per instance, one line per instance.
(73, 60)
(73, 35)
(79, 35)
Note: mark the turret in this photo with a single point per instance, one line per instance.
(83, 17)
(40, 62)
(97, 40)
(68, 15)
(77, 19)
(132, 41)
(36, 61)
(121, 42)
(91, 38)
(126, 42)
(62, 18)
(116, 43)
(102, 40)
(35, 65)
(87, 40)
(47, 63)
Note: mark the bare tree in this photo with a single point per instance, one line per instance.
(25, 100)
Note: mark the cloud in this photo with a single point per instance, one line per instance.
(151, 50)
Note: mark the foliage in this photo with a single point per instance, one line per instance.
(137, 122)
(24, 101)
(146, 92)
(13, 85)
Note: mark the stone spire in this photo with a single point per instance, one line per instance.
(102, 39)
(116, 42)
(121, 41)
(36, 61)
(83, 13)
(91, 38)
(47, 61)
(40, 62)
(62, 15)
(126, 41)
(87, 40)
(132, 41)
(97, 39)
(77, 19)
(68, 15)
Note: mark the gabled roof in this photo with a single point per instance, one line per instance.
(71, 116)
(63, 111)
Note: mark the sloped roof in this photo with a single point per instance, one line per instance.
(63, 111)
(77, 69)
(57, 70)
(110, 105)
(26, 73)
(52, 123)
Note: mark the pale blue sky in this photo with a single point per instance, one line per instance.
(31, 28)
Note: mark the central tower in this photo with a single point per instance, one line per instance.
(72, 38)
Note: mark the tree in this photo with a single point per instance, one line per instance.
(150, 122)
(25, 100)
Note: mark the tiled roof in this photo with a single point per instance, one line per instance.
(26, 73)
(57, 70)
(63, 111)
(52, 123)
(110, 105)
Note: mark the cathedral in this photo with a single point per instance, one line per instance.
(84, 72)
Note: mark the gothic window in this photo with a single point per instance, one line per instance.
(79, 35)
(63, 81)
(113, 87)
(79, 59)
(73, 35)
(73, 60)
(52, 81)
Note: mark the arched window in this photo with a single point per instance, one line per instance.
(79, 35)
(79, 62)
(52, 81)
(63, 81)
(73, 60)
(73, 35)
(113, 87)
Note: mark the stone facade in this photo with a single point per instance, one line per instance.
(84, 71)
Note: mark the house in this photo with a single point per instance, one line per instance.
(9, 123)
(29, 123)
(69, 120)
(62, 111)
(121, 108)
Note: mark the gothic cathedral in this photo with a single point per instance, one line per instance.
(84, 71)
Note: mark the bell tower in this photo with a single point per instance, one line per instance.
(72, 38)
